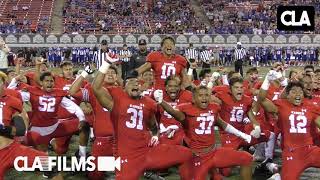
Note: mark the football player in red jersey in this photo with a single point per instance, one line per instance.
(45, 102)
(269, 122)
(250, 82)
(12, 125)
(224, 88)
(199, 119)
(164, 63)
(133, 118)
(64, 82)
(171, 130)
(235, 107)
(147, 83)
(295, 119)
(310, 98)
(277, 85)
(102, 127)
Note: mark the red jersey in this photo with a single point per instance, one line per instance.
(62, 83)
(233, 111)
(102, 126)
(197, 82)
(44, 105)
(295, 123)
(221, 88)
(13, 93)
(316, 93)
(165, 118)
(8, 106)
(164, 67)
(130, 118)
(199, 125)
(247, 87)
(31, 79)
(314, 100)
(65, 84)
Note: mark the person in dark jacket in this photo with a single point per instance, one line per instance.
(139, 57)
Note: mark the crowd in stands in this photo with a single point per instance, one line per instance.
(250, 17)
(154, 16)
(25, 16)
(124, 16)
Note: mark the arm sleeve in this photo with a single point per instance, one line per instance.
(25, 96)
(73, 108)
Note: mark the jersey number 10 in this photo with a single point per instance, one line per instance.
(167, 71)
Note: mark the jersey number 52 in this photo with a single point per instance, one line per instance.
(46, 104)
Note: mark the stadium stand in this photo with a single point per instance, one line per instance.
(249, 17)
(25, 16)
(147, 16)
(125, 16)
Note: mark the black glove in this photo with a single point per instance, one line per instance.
(5, 131)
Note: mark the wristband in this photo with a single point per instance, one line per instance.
(84, 74)
(265, 85)
(225, 80)
(104, 67)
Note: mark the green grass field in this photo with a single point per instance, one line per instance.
(14, 175)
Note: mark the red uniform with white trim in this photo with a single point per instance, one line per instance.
(102, 127)
(167, 121)
(65, 84)
(272, 94)
(234, 112)
(44, 122)
(10, 105)
(130, 118)
(314, 130)
(164, 67)
(31, 79)
(295, 124)
(199, 128)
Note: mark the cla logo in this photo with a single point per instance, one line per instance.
(295, 18)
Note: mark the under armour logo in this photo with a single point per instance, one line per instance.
(197, 164)
(228, 142)
(99, 143)
(304, 110)
(289, 158)
(124, 161)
